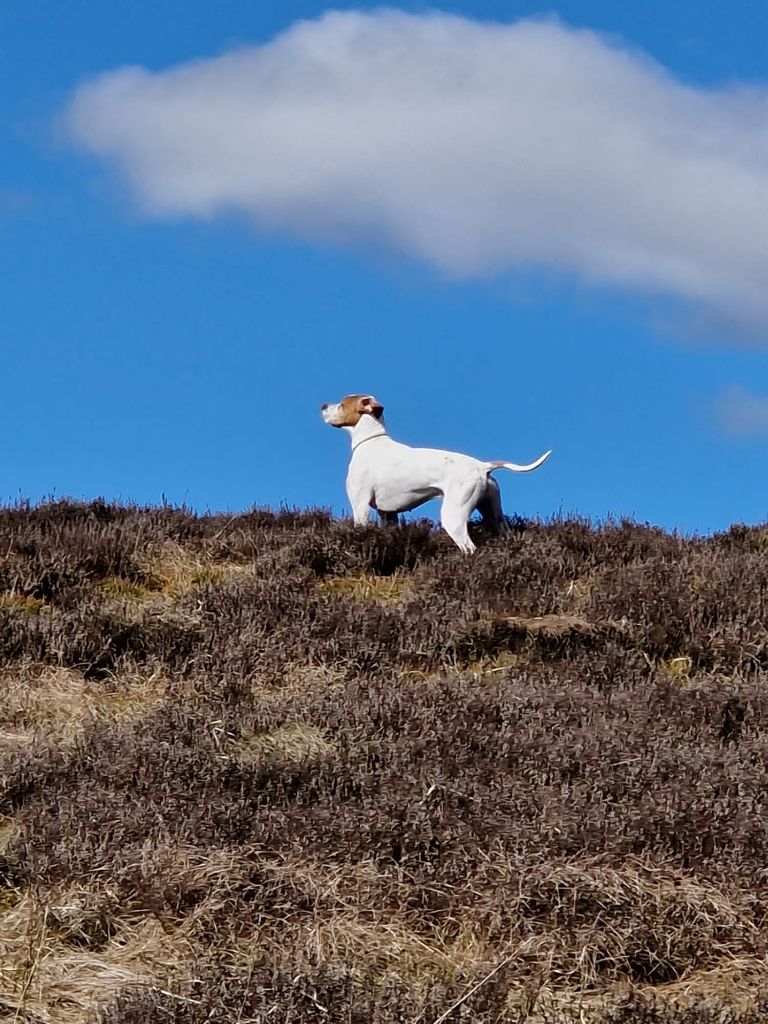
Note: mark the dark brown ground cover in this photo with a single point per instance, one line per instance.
(273, 768)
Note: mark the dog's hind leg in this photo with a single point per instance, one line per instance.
(489, 508)
(389, 518)
(458, 505)
(454, 523)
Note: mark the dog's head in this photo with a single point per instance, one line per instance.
(348, 412)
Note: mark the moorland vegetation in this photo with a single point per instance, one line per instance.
(270, 767)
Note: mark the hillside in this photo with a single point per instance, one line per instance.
(273, 768)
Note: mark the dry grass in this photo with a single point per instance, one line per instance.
(67, 951)
(48, 971)
(642, 919)
(388, 944)
(172, 570)
(735, 982)
(59, 703)
(344, 926)
(8, 829)
(558, 625)
(297, 679)
(381, 589)
(294, 741)
(490, 664)
(680, 667)
(121, 591)
(22, 603)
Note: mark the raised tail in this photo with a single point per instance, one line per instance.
(519, 469)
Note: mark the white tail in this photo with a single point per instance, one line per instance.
(519, 469)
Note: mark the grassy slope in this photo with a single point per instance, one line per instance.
(272, 768)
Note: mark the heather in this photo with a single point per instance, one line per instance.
(271, 767)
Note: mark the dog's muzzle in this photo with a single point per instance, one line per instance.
(327, 412)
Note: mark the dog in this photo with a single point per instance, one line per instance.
(391, 477)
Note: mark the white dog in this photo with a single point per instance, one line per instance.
(392, 477)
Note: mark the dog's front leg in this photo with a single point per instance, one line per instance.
(361, 511)
(360, 497)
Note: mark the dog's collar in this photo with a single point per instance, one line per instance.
(372, 437)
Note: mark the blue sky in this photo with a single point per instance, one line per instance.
(561, 244)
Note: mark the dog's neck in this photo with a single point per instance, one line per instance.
(366, 429)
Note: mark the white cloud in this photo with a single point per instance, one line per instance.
(740, 413)
(474, 146)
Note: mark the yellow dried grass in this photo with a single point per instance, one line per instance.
(295, 741)
(58, 703)
(47, 978)
(172, 570)
(365, 587)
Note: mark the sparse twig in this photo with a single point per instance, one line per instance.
(471, 992)
(33, 965)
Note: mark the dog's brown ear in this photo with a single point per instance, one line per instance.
(371, 405)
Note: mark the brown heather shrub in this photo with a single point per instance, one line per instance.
(271, 767)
